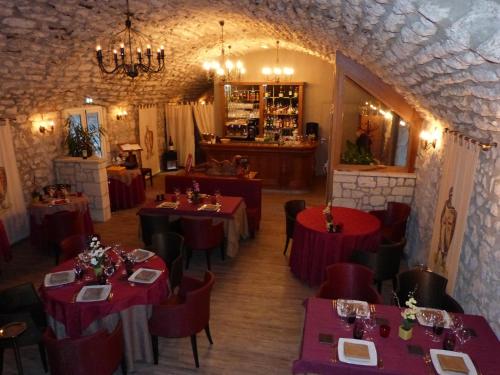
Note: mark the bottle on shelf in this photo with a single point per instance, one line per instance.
(170, 143)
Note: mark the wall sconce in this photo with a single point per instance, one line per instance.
(44, 126)
(429, 139)
(121, 114)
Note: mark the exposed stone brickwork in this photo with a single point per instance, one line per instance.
(371, 190)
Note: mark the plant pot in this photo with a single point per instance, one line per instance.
(405, 334)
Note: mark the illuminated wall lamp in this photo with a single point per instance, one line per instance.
(44, 126)
(428, 139)
(121, 114)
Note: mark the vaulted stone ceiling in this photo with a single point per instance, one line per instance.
(444, 55)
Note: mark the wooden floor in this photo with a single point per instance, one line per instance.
(257, 313)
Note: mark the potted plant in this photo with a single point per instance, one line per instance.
(409, 315)
(79, 140)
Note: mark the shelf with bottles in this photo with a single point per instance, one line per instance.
(282, 105)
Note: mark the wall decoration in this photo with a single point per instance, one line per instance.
(148, 138)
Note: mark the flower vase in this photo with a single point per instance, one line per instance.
(99, 275)
(196, 198)
(405, 333)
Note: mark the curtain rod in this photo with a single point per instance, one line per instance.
(485, 146)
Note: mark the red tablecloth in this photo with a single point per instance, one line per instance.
(4, 244)
(123, 195)
(313, 248)
(38, 225)
(317, 358)
(76, 317)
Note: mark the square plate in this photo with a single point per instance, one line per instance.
(144, 275)
(59, 278)
(362, 308)
(173, 205)
(421, 318)
(437, 365)
(372, 351)
(140, 255)
(209, 207)
(93, 293)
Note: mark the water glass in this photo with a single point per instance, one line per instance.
(79, 271)
(370, 323)
(358, 330)
(217, 196)
(437, 329)
(385, 330)
(177, 193)
(449, 341)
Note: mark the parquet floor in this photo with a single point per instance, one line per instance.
(256, 315)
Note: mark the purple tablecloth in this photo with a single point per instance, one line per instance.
(317, 358)
(123, 195)
(313, 248)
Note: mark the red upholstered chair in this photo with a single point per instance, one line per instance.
(393, 220)
(98, 354)
(202, 235)
(61, 225)
(71, 246)
(186, 318)
(349, 281)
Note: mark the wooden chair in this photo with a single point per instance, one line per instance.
(152, 223)
(71, 246)
(384, 263)
(170, 247)
(202, 235)
(98, 354)
(292, 208)
(349, 281)
(393, 220)
(186, 318)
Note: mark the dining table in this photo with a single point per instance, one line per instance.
(314, 248)
(394, 355)
(126, 187)
(130, 302)
(231, 211)
(39, 210)
(5, 251)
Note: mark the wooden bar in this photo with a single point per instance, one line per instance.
(286, 167)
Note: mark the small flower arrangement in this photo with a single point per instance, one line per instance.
(196, 192)
(409, 314)
(96, 252)
(330, 226)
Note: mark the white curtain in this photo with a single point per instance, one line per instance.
(204, 116)
(148, 138)
(12, 207)
(459, 168)
(180, 126)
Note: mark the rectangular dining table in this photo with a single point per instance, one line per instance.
(319, 358)
(232, 213)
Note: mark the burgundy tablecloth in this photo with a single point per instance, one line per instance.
(38, 212)
(76, 317)
(313, 248)
(122, 195)
(320, 318)
(4, 244)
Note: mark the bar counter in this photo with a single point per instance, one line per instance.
(285, 167)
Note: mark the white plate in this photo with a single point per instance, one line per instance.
(437, 365)
(140, 255)
(168, 205)
(372, 351)
(423, 322)
(209, 207)
(150, 273)
(59, 278)
(362, 312)
(93, 293)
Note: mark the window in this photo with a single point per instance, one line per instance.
(92, 119)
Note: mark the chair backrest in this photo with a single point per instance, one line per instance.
(96, 354)
(170, 247)
(292, 208)
(200, 234)
(198, 303)
(396, 219)
(71, 246)
(429, 287)
(351, 281)
(63, 224)
(388, 259)
(152, 223)
(23, 298)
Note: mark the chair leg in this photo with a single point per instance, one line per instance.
(286, 245)
(18, 358)
(394, 283)
(1, 361)
(189, 254)
(154, 342)
(195, 350)
(43, 356)
(209, 336)
(124, 366)
(207, 253)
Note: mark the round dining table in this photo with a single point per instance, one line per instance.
(129, 302)
(314, 248)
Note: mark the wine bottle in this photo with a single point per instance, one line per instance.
(170, 144)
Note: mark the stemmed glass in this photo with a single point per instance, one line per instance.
(370, 323)
(79, 271)
(217, 196)
(437, 328)
(177, 193)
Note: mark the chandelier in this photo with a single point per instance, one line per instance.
(124, 60)
(277, 70)
(224, 69)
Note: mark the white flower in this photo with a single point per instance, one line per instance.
(93, 261)
(94, 239)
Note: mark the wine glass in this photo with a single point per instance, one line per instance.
(217, 196)
(463, 336)
(437, 328)
(177, 193)
(79, 271)
(370, 323)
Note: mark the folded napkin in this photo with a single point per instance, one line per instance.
(452, 363)
(145, 275)
(358, 351)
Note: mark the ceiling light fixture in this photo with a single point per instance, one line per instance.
(277, 70)
(122, 61)
(224, 69)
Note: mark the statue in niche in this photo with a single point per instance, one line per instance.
(446, 231)
(149, 141)
(3, 189)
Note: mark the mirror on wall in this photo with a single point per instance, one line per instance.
(371, 132)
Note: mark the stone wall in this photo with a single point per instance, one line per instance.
(371, 190)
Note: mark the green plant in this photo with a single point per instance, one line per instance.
(78, 138)
(354, 155)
